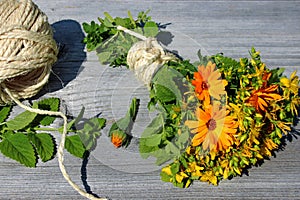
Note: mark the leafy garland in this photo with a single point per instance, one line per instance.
(217, 117)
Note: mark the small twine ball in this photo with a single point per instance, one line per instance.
(27, 49)
(146, 57)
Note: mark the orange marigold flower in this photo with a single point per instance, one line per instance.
(259, 98)
(208, 82)
(213, 128)
(118, 138)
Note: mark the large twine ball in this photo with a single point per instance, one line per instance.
(27, 49)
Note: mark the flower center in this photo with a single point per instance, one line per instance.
(211, 124)
(204, 86)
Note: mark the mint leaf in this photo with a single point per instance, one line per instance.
(21, 121)
(51, 104)
(90, 132)
(4, 112)
(75, 146)
(166, 89)
(44, 145)
(146, 150)
(18, 147)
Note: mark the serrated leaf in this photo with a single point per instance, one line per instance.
(90, 132)
(75, 146)
(44, 145)
(164, 94)
(50, 104)
(4, 112)
(21, 121)
(164, 82)
(18, 147)
(145, 151)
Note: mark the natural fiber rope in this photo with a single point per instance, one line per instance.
(27, 54)
(146, 57)
(27, 49)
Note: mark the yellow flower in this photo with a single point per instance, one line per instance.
(292, 83)
(213, 129)
(210, 177)
(167, 170)
(208, 82)
(295, 103)
(180, 176)
(194, 169)
(284, 126)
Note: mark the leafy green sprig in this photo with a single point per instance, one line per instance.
(26, 138)
(112, 44)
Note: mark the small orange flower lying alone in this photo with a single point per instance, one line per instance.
(213, 128)
(118, 138)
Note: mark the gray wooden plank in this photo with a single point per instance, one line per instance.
(231, 27)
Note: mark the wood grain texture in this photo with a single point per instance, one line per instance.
(231, 27)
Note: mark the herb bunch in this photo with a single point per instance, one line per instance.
(26, 138)
(112, 44)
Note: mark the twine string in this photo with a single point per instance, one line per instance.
(27, 54)
(146, 57)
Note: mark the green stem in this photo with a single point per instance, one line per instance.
(45, 129)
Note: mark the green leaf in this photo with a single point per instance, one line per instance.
(109, 17)
(166, 88)
(107, 23)
(18, 147)
(183, 137)
(165, 177)
(131, 19)
(50, 104)
(145, 150)
(75, 146)
(150, 29)
(91, 131)
(153, 140)
(86, 27)
(4, 112)
(155, 126)
(44, 145)
(164, 94)
(104, 56)
(171, 148)
(21, 121)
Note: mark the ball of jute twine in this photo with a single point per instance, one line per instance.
(27, 49)
(27, 53)
(146, 57)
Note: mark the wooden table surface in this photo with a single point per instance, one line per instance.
(231, 27)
